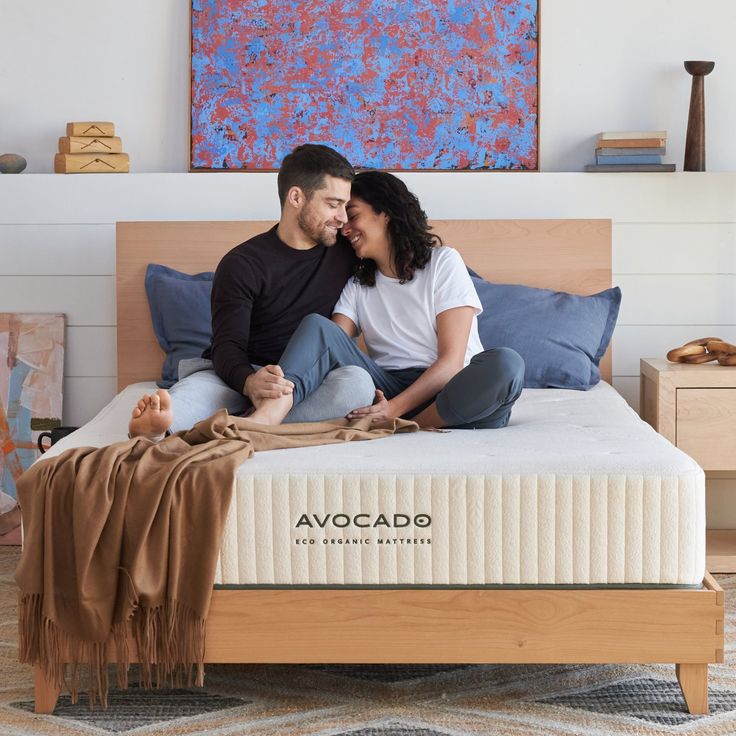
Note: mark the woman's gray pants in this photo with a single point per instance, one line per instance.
(480, 396)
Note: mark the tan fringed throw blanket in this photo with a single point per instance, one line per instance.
(131, 533)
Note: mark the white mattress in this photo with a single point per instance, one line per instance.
(576, 490)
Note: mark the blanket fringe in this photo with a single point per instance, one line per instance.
(43, 643)
(170, 640)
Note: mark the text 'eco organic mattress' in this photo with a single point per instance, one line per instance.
(576, 490)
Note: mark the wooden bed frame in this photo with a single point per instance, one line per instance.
(684, 627)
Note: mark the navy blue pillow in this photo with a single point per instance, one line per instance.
(181, 315)
(562, 337)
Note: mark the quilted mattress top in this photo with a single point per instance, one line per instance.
(551, 431)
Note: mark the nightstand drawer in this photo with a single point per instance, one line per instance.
(706, 426)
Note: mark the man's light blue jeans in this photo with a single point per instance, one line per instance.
(200, 392)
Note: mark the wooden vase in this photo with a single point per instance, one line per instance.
(695, 139)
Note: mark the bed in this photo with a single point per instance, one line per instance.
(532, 557)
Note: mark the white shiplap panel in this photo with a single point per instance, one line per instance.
(57, 249)
(677, 299)
(632, 342)
(620, 197)
(86, 300)
(90, 351)
(110, 198)
(674, 248)
(49, 198)
(84, 397)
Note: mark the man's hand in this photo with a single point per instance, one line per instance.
(267, 383)
(380, 411)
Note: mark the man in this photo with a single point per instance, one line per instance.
(262, 290)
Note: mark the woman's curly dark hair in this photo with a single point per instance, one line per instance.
(409, 232)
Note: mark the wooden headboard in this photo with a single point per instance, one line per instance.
(567, 255)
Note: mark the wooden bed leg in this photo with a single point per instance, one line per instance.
(45, 693)
(693, 679)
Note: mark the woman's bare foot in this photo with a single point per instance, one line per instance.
(430, 418)
(10, 520)
(272, 411)
(152, 415)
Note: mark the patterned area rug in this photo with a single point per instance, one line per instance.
(388, 700)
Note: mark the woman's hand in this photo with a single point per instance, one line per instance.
(380, 411)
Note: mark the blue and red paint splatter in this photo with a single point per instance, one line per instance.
(392, 84)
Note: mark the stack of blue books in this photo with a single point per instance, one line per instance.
(631, 150)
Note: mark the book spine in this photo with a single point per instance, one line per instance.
(628, 159)
(619, 134)
(632, 143)
(628, 168)
(631, 151)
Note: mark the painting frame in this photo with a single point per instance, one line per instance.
(284, 143)
(31, 388)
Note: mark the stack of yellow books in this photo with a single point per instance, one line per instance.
(91, 148)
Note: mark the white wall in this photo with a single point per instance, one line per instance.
(604, 66)
(674, 251)
(615, 65)
(64, 60)
(619, 66)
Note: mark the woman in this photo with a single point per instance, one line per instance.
(414, 302)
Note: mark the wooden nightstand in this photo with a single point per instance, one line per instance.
(694, 407)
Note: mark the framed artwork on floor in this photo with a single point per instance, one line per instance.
(405, 85)
(31, 375)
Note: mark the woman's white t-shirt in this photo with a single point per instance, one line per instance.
(399, 321)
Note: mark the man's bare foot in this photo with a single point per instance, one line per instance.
(152, 415)
(10, 520)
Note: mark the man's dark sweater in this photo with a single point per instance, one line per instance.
(261, 292)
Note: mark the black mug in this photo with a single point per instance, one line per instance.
(54, 435)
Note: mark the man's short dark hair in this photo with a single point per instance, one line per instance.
(306, 167)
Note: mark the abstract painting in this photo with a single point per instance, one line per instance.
(31, 373)
(391, 84)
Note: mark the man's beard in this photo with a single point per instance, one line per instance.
(317, 231)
